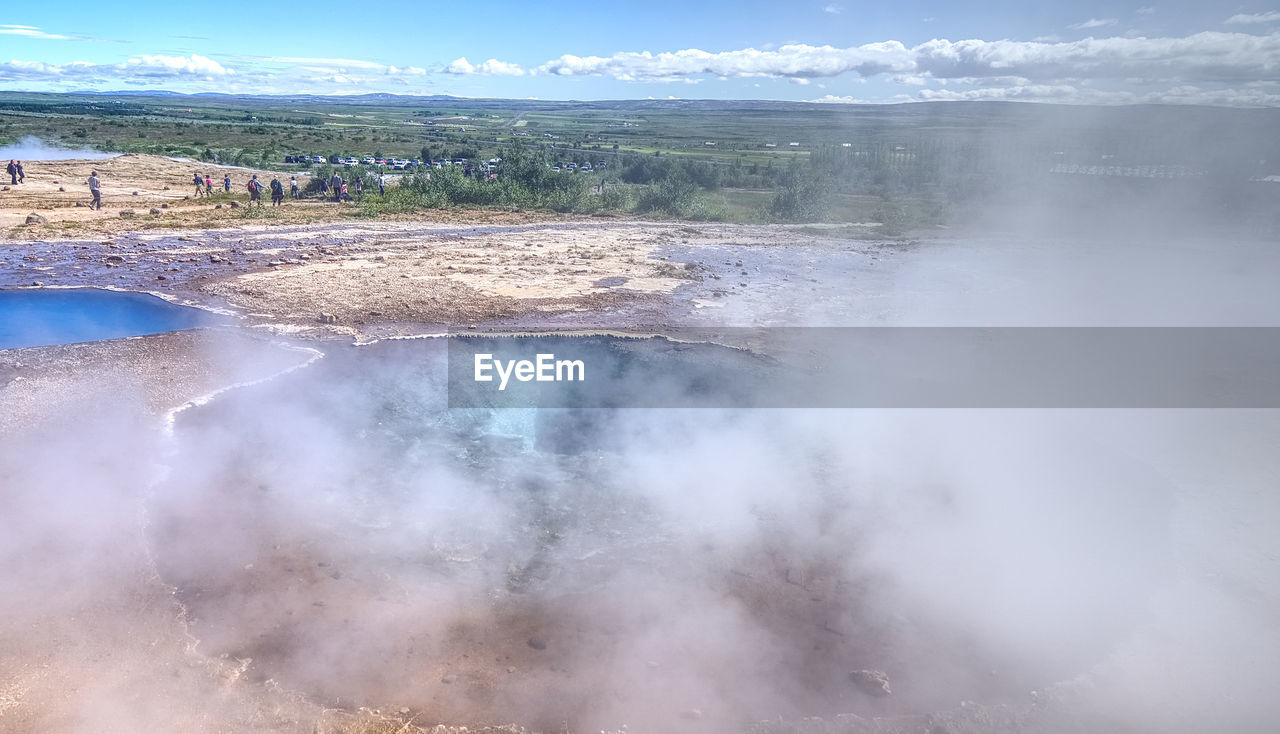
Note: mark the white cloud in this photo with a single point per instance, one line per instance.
(1253, 18)
(792, 60)
(193, 65)
(492, 67)
(31, 31)
(326, 62)
(1146, 10)
(1094, 23)
(1203, 57)
(833, 9)
(145, 67)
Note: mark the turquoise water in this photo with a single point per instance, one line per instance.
(34, 318)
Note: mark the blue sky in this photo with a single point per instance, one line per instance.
(839, 51)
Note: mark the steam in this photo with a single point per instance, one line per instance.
(31, 148)
(338, 536)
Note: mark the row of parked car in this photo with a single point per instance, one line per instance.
(575, 167)
(398, 164)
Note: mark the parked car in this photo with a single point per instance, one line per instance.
(319, 159)
(367, 161)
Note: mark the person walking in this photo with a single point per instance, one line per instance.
(382, 185)
(95, 188)
(324, 188)
(293, 187)
(12, 170)
(226, 183)
(344, 196)
(208, 185)
(22, 177)
(277, 192)
(255, 190)
(336, 185)
(199, 181)
(359, 186)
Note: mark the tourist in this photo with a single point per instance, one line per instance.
(324, 188)
(12, 169)
(277, 192)
(344, 196)
(226, 183)
(255, 190)
(208, 185)
(336, 185)
(359, 186)
(95, 189)
(382, 186)
(199, 181)
(293, 187)
(22, 177)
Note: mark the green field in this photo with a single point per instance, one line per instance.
(771, 161)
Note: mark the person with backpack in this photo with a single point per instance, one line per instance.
(12, 170)
(324, 188)
(293, 187)
(336, 185)
(255, 191)
(95, 188)
(208, 185)
(277, 192)
(199, 181)
(226, 183)
(22, 177)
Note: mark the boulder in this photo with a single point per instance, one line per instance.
(235, 205)
(156, 211)
(35, 219)
(127, 213)
(327, 318)
(61, 188)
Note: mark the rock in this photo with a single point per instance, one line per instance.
(327, 318)
(55, 180)
(235, 205)
(6, 188)
(217, 206)
(448, 678)
(156, 211)
(127, 213)
(162, 277)
(60, 188)
(871, 682)
(79, 203)
(164, 206)
(135, 193)
(166, 188)
(35, 219)
(404, 712)
(37, 283)
(114, 258)
(537, 643)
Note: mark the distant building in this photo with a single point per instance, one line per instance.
(770, 145)
(710, 144)
(793, 145)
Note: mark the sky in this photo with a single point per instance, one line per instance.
(826, 51)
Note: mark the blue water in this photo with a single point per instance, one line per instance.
(35, 318)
